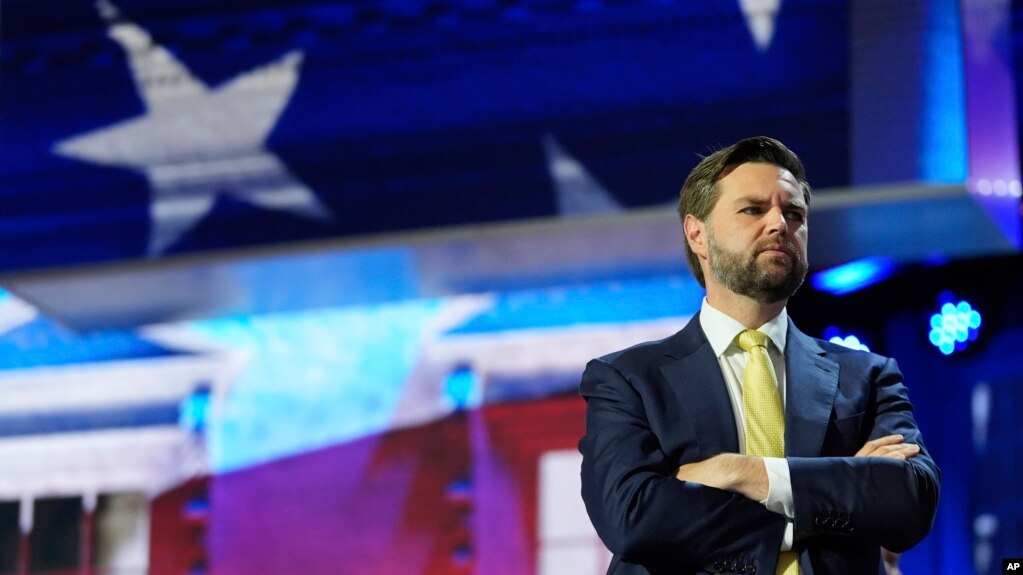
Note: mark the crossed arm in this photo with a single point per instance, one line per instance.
(747, 475)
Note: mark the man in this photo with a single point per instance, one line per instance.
(727, 450)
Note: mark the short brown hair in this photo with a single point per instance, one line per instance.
(700, 191)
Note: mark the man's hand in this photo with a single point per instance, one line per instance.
(740, 474)
(890, 446)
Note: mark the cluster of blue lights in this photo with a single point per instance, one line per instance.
(954, 327)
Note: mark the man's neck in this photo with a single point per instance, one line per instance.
(745, 310)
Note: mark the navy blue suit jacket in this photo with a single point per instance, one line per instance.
(658, 405)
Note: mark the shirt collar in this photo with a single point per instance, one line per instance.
(721, 329)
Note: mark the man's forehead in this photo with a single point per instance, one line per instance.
(783, 175)
(782, 171)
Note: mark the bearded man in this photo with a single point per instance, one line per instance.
(740, 444)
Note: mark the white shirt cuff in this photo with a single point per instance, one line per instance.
(779, 494)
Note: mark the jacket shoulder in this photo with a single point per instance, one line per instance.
(834, 351)
(843, 354)
(642, 356)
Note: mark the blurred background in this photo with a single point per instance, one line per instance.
(305, 287)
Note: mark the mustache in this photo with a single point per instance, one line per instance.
(776, 243)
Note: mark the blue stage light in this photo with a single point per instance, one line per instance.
(462, 387)
(954, 326)
(833, 335)
(195, 409)
(850, 341)
(854, 275)
(460, 490)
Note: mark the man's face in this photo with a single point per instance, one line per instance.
(757, 233)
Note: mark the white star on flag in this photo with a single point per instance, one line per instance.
(194, 142)
(578, 192)
(761, 16)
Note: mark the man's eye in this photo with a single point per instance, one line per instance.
(752, 210)
(796, 216)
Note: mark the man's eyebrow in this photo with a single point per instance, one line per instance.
(747, 200)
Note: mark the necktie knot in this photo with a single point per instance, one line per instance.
(752, 338)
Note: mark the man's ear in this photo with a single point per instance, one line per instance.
(696, 234)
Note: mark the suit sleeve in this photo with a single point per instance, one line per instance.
(640, 510)
(884, 501)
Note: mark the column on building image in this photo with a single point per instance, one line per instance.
(121, 534)
(75, 534)
(10, 537)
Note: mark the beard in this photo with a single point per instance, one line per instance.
(769, 282)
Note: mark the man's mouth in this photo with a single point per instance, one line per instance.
(776, 250)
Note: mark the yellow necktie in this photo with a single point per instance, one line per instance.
(765, 418)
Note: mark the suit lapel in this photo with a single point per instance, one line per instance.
(695, 377)
(811, 383)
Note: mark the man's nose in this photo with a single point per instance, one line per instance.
(776, 222)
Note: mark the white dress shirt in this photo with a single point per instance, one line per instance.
(721, 331)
